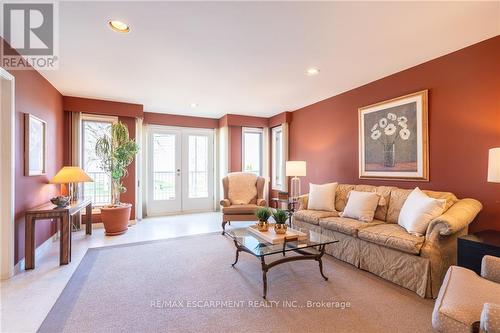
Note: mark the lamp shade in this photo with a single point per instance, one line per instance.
(295, 168)
(494, 165)
(71, 174)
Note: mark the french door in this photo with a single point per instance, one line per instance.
(180, 170)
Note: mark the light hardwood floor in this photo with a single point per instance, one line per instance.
(27, 297)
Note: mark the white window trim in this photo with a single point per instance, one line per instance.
(89, 117)
(252, 130)
(284, 157)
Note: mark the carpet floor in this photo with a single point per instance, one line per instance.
(188, 285)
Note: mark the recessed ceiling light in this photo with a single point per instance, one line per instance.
(119, 26)
(312, 71)
(194, 105)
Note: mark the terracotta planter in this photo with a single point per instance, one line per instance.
(115, 219)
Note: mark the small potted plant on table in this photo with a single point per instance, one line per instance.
(263, 214)
(280, 216)
(115, 154)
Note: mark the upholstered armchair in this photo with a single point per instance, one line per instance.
(243, 195)
(468, 302)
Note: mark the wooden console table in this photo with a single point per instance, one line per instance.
(64, 215)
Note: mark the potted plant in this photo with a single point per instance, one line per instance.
(263, 214)
(280, 216)
(115, 154)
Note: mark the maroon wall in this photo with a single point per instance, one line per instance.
(37, 96)
(464, 122)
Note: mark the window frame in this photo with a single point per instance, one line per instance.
(275, 169)
(91, 118)
(257, 130)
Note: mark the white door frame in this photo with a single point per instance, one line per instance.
(7, 173)
(147, 129)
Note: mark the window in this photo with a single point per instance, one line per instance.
(277, 158)
(164, 145)
(252, 150)
(92, 129)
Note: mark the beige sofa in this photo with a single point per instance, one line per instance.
(384, 248)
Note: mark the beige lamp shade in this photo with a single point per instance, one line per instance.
(494, 165)
(71, 174)
(295, 168)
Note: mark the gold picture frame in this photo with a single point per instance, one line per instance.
(394, 139)
(35, 142)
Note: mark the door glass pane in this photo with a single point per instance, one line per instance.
(99, 191)
(252, 149)
(198, 166)
(163, 166)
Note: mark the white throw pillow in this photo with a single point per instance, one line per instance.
(322, 197)
(418, 211)
(361, 205)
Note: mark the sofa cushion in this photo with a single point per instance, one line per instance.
(341, 196)
(383, 191)
(361, 205)
(399, 195)
(461, 298)
(345, 225)
(240, 209)
(322, 197)
(313, 216)
(393, 236)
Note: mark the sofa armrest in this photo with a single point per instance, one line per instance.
(303, 201)
(225, 203)
(456, 218)
(261, 202)
(490, 268)
(490, 318)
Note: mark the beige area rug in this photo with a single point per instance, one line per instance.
(188, 285)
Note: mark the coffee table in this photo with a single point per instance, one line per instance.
(311, 248)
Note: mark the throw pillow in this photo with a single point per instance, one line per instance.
(418, 211)
(361, 206)
(322, 197)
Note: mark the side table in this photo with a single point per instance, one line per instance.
(472, 248)
(290, 206)
(49, 211)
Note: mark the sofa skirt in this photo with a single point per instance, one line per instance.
(409, 271)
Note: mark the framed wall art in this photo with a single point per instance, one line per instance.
(393, 139)
(35, 132)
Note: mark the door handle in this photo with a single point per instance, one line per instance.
(178, 172)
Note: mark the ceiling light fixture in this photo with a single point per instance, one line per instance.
(194, 105)
(312, 71)
(119, 26)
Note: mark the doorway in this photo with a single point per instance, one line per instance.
(180, 173)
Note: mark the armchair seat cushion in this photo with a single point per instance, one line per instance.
(461, 299)
(313, 216)
(346, 225)
(240, 209)
(393, 236)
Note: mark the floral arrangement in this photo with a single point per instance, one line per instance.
(389, 126)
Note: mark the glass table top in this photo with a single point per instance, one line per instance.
(260, 247)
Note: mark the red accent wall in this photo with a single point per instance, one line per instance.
(182, 121)
(464, 122)
(37, 96)
(235, 149)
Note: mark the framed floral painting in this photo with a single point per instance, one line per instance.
(393, 139)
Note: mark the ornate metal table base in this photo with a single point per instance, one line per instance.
(304, 255)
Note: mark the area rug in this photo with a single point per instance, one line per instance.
(188, 285)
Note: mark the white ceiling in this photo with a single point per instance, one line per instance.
(250, 57)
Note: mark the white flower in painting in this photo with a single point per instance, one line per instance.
(390, 129)
(403, 125)
(404, 133)
(383, 122)
(402, 119)
(376, 134)
(374, 127)
(391, 116)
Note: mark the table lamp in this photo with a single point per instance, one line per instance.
(494, 165)
(295, 169)
(71, 175)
